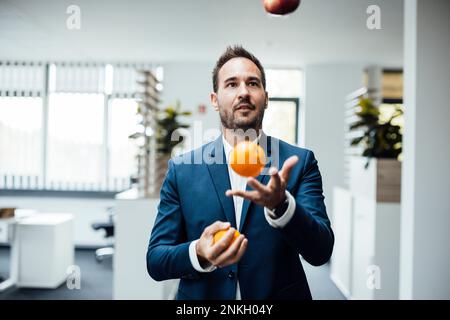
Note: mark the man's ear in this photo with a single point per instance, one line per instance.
(214, 101)
(267, 100)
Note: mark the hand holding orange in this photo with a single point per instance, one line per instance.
(219, 235)
(247, 159)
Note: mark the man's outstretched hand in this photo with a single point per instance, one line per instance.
(272, 194)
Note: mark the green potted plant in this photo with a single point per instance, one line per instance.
(381, 141)
(167, 123)
(155, 141)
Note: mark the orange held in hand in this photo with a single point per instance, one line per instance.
(247, 159)
(218, 235)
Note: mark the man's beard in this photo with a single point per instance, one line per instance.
(229, 121)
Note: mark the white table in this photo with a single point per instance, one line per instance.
(42, 249)
(7, 236)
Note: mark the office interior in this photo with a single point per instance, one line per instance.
(78, 196)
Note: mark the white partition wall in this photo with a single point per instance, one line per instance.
(425, 258)
(367, 227)
(341, 261)
(134, 221)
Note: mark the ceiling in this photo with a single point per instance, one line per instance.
(320, 31)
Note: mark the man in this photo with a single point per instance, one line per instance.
(280, 215)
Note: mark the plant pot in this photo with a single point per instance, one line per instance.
(380, 181)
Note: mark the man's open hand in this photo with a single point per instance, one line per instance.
(272, 194)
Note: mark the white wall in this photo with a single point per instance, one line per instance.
(424, 253)
(85, 211)
(326, 86)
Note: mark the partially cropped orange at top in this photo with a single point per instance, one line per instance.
(219, 235)
(247, 159)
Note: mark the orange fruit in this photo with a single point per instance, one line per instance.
(218, 235)
(247, 159)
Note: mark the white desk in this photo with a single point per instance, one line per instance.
(7, 236)
(41, 250)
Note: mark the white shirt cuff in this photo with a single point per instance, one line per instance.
(285, 218)
(194, 259)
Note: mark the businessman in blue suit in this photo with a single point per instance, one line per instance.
(280, 214)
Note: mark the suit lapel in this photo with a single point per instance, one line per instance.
(265, 143)
(218, 170)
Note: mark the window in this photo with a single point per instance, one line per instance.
(20, 141)
(280, 119)
(122, 151)
(71, 135)
(284, 83)
(75, 141)
(282, 115)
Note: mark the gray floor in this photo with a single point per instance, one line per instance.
(322, 287)
(96, 281)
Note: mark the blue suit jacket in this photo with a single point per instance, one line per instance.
(193, 197)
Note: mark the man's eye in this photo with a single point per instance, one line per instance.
(254, 84)
(231, 84)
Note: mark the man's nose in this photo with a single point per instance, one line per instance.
(243, 91)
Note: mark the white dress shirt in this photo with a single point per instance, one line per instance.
(238, 182)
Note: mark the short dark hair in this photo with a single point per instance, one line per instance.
(236, 51)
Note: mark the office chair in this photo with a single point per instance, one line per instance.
(106, 252)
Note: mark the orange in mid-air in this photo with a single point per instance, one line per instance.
(247, 159)
(218, 235)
